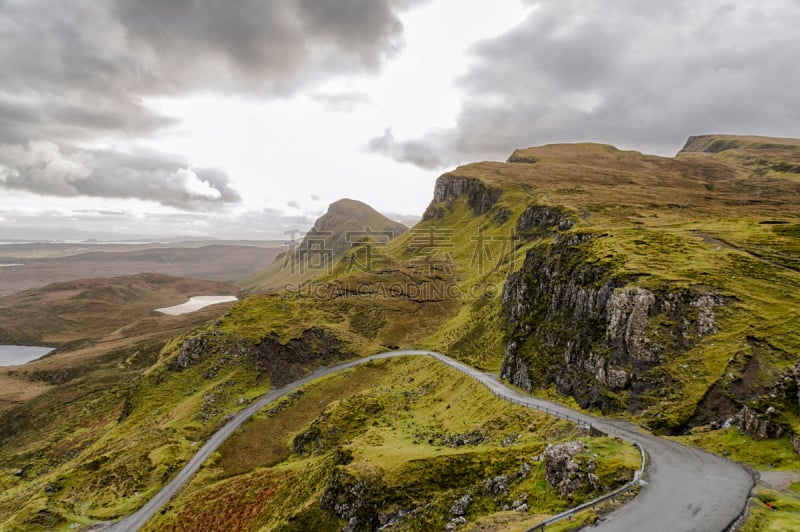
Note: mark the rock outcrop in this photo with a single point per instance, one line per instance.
(576, 324)
(495, 486)
(449, 187)
(760, 426)
(353, 500)
(795, 441)
(568, 472)
(284, 362)
(542, 220)
(362, 503)
(796, 375)
(193, 350)
(461, 505)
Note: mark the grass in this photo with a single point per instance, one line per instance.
(105, 466)
(767, 455)
(679, 256)
(692, 223)
(784, 514)
(384, 424)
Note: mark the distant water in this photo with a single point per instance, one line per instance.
(195, 303)
(12, 355)
(10, 265)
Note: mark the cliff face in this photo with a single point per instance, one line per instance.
(573, 323)
(540, 220)
(619, 301)
(449, 187)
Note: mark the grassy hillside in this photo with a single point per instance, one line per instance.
(662, 289)
(721, 221)
(401, 441)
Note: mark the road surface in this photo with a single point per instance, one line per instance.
(685, 489)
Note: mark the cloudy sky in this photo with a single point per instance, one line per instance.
(244, 119)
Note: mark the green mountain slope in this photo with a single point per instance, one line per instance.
(346, 222)
(663, 289)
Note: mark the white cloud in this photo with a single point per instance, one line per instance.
(187, 180)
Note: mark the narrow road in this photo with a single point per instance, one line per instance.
(686, 489)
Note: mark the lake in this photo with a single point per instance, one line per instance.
(12, 355)
(196, 303)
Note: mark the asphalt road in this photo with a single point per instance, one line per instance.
(685, 489)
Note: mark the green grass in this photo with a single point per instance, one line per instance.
(785, 514)
(668, 225)
(389, 421)
(105, 466)
(775, 455)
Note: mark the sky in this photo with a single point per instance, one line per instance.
(242, 120)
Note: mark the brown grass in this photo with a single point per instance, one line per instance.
(613, 187)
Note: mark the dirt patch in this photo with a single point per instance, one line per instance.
(726, 397)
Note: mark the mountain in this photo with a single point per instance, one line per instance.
(662, 289)
(344, 225)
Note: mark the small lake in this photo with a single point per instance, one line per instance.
(12, 355)
(196, 303)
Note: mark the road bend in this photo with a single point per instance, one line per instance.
(684, 489)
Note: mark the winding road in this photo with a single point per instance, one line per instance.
(685, 489)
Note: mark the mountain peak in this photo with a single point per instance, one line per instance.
(339, 227)
(348, 205)
(351, 215)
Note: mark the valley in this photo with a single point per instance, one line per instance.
(33, 265)
(654, 291)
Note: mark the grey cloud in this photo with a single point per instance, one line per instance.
(422, 153)
(60, 120)
(150, 47)
(100, 212)
(80, 70)
(42, 167)
(263, 43)
(638, 74)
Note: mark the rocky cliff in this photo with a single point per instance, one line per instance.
(449, 187)
(574, 323)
